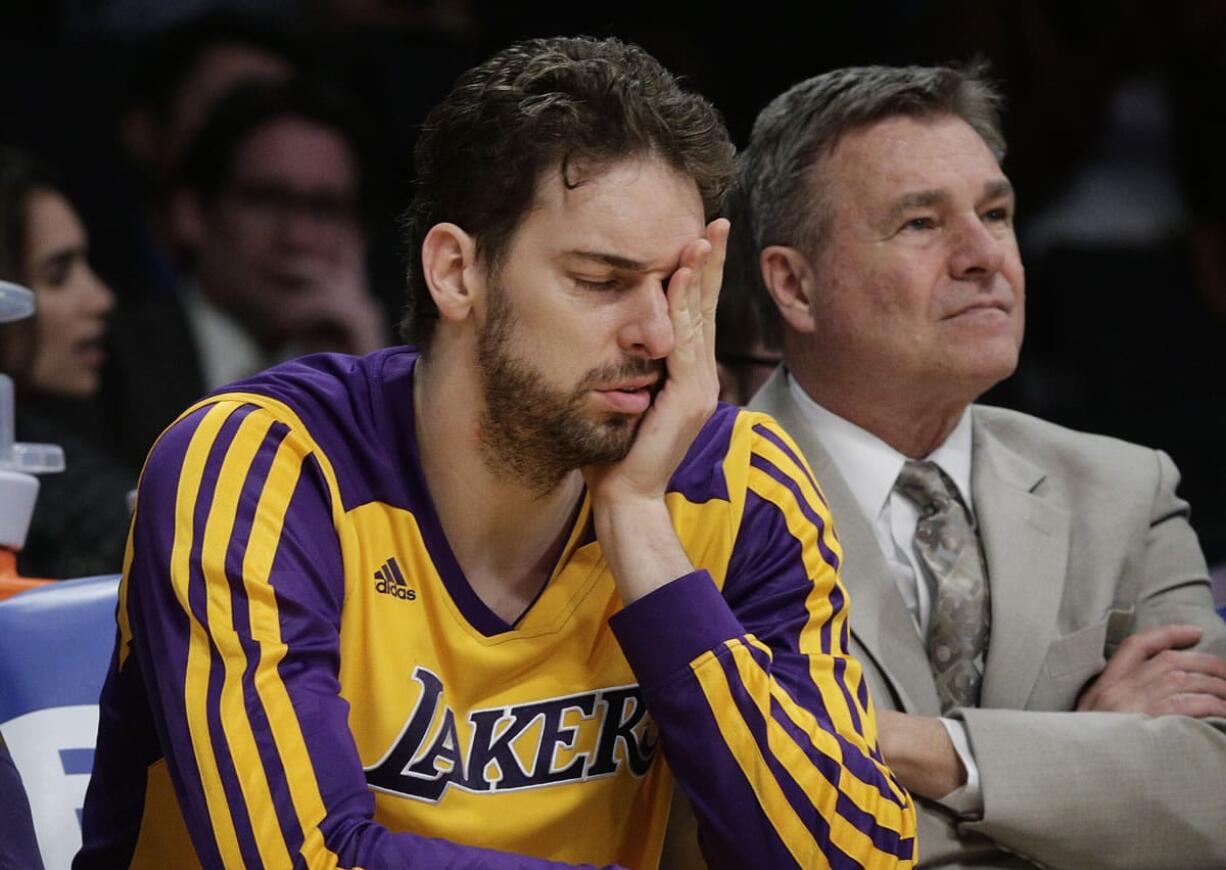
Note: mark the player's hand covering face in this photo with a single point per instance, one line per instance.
(691, 386)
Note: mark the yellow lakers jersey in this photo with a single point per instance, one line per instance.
(305, 677)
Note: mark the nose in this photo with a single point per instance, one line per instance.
(300, 230)
(647, 330)
(978, 252)
(98, 297)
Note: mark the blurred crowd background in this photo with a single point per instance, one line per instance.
(157, 116)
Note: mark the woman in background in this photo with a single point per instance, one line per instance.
(55, 360)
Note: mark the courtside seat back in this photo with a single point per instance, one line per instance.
(56, 642)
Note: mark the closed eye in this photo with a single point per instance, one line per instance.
(587, 283)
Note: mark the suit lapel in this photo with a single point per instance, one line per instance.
(1025, 541)
(880, 621)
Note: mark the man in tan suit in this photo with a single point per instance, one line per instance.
(1030, 603)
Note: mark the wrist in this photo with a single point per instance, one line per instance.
(640, 545)
(921, 753)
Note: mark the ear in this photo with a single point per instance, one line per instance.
(448, 261)
(789, 278)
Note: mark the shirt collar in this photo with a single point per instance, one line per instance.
(870, 466)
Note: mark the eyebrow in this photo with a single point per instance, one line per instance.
(908, 202)
(995, 189)
(614, 260)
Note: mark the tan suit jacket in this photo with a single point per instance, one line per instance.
(1085, 543)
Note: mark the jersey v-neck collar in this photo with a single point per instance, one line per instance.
(577, 568)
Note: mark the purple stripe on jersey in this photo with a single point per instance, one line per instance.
(773, 437)
(766, 582)
(853, 756)
(885, 840)
(854, 759)
(338, 398)
(309, 604)
(763, 464)
(792, 674)
(198, 596)
(768, 589)
(669, 627)
(156, 612)
(249, 498)
(774, 609)
(700, 476)
(830, 769)
(796, 797)
(840, 677)
(862, 693)
(226, 770)
(838, 603)
(734, 833)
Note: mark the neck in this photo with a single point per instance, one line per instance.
(506, 535)
(911, 418)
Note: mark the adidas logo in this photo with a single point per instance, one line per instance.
(389, 581)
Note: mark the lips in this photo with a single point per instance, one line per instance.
(631, 396)
(90, 351)
(985, 306)
(646, 382)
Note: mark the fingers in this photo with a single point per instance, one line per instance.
(1186, 682)
(1191, 704)
(1151, 668)
(713, 271)
(1185, 661)
(1144, 645)
(680, 286)
(1172, 682)
(685, 293)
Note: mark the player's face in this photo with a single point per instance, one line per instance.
(287, 215)
(72, 302)
(576, 331)
(919, 279)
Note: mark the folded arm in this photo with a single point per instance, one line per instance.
(1122, 783)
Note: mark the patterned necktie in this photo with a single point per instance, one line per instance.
(948, 547)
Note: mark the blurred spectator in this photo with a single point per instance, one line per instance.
(268, 209)
(187, 71)
(181, 76)
(80, 521)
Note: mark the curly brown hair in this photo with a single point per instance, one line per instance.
(548, 104)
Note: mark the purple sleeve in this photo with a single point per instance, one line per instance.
(763, 714)
(233, 600)
(18, 848)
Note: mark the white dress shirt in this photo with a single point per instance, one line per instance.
(871, 467)
(228, 352)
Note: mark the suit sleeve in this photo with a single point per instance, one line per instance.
(763, 715)
(1134, 791)
(231, 605)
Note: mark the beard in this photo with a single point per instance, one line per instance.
(536, 434)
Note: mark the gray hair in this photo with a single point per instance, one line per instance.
(776, 197)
